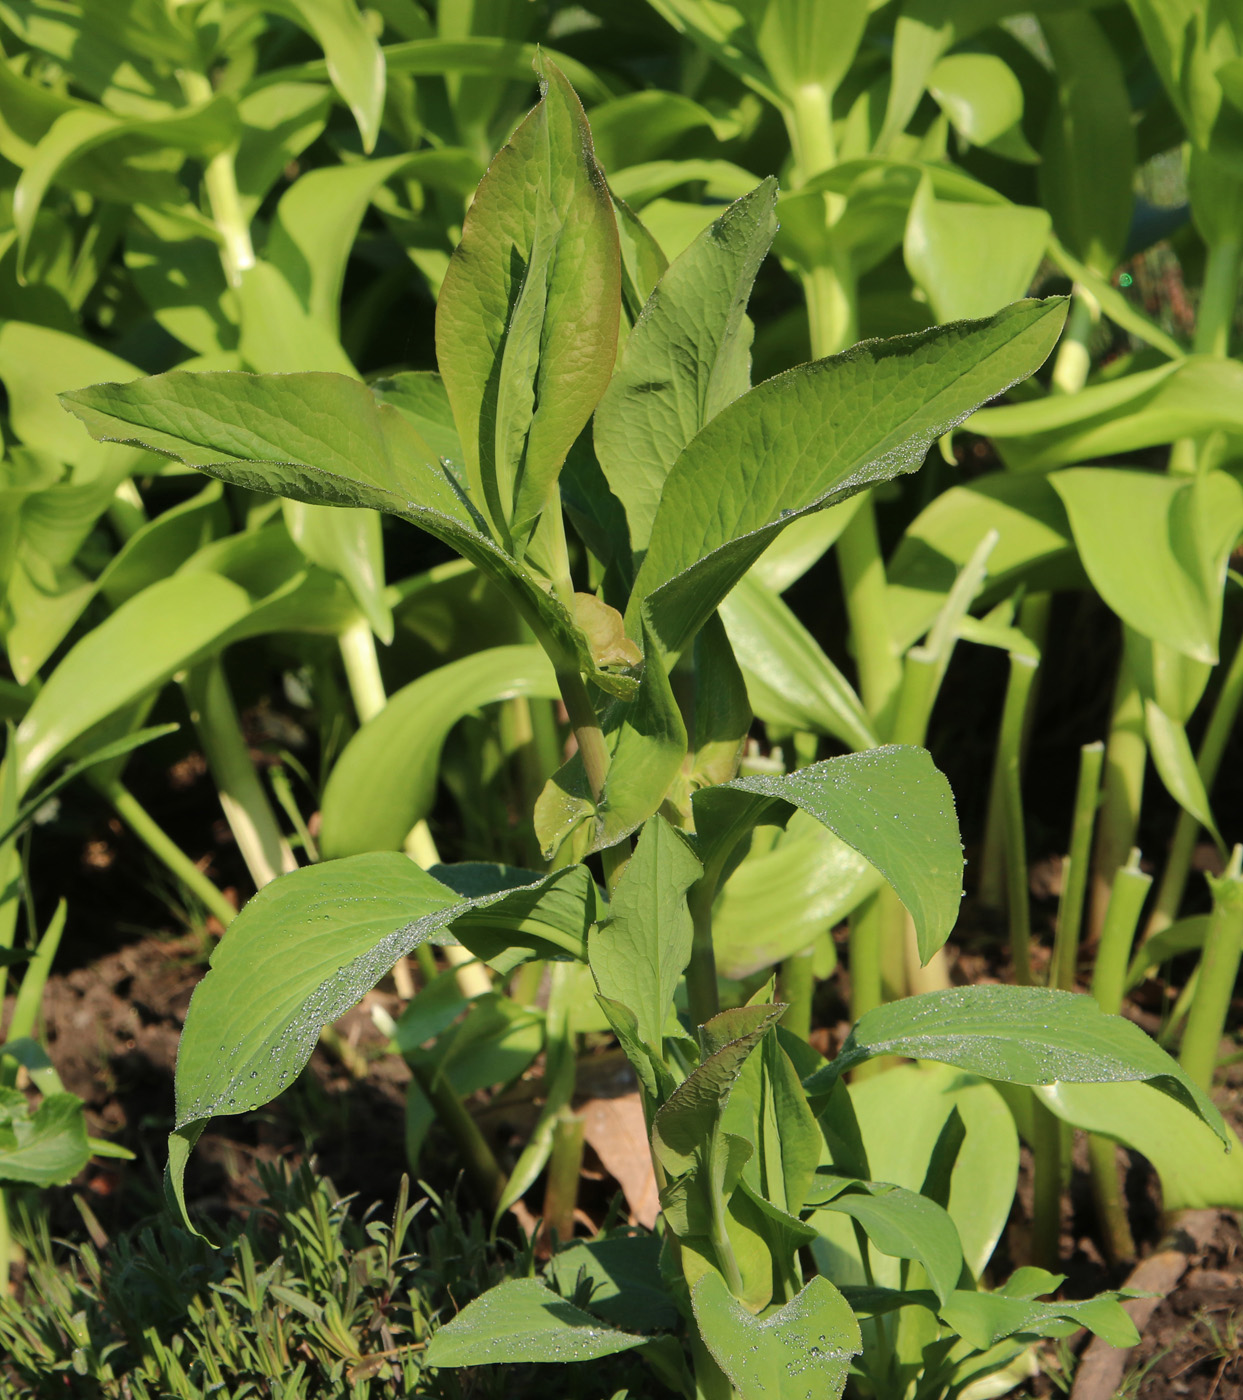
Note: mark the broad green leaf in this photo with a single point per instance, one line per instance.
(686, 358)
(905, 1225)
(639, 952)
(301, 953)
(314, 228)
(784, 894)
(800, 545)
(720, 712)
(900, 1117)
(721, 31)
(984, 1319)
(983, 100)
(719, 180)
(1020, 1035)
(685, 1125)
(942, 250)
(801, 1351)
(1157, 547)
(385, 778)
(814, 436)
(179, 276)
(625, 1272)
(1188, 398)
(133, 652)
(889, 804)
(527, 321)
(322, 439)
(1088, 165)
(641, 126)
(521, 1320)
(280, 120)
(792, 684)
(1195, 1171)
(1035, 547)
(47, 1147)
(355, 61)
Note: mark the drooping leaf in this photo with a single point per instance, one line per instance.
(523, 1320)
(801, 1351)
(890, 804)
(984, 1319)
(323, 439)
(814, 436)
(1020, 1035)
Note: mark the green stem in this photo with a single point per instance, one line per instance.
(1219, 970)
(481, 1167)
(796, 986)
(862, 571)
(721, 1244)
(1075, 869)
(1110, 1201)
(703, 999)
(1013, 720)
(866, 961)
(1218, 298)
(1046, 1186)
(246, 807)
(565, 1163)
(6, 1244)
(586, 726)
(1187, 829)
(362, 669)
(237, 252)
(1126, 756)
(1113, 952)
(165, 850)
(1074, 358)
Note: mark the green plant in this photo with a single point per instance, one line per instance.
(689, 476)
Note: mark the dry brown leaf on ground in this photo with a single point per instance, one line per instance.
(615, 1130)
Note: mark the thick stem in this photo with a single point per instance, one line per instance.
(1110, 1200)
(586, 726)
(1113, 952)
(1187, 829)
(1126, 756)
(237, 252)
(1074, 358)
(564, 1165)
(1219, 970)
(1075, 869)
(6, 1245)
(362, 669)
(796, 986)
(866, 960)
(1046, 1186)
(165, 850)
(1218, 298)
(1013, 721)
(703, 999)
(246, 807)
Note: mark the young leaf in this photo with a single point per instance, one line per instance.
(522, 1320)
(813, 436)
(801, 1351)
(984, 1319)
(686, 358)
(890, 804)
(527, 322)
(1021, 1035)
(639, 952)
(686, 1123)
(47, 1147)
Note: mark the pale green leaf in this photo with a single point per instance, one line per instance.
(385, 778)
